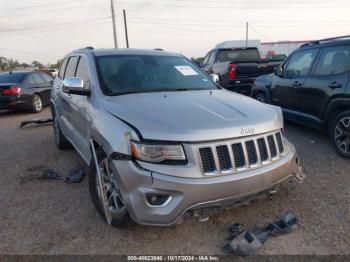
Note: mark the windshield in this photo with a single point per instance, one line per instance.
(11, 78)
(123, 74)
(238, 55)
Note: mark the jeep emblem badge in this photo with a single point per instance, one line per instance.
(247, 131)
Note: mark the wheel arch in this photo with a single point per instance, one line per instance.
(334, 108)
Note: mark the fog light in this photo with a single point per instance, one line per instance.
(158, 199)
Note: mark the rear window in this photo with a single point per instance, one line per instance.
(238, 55)
(11, 78)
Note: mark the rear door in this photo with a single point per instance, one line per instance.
(328, 80)
(56, 95)
(67, 106)
(285, 88)
(43, 87)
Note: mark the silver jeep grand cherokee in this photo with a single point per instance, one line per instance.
(161, 138)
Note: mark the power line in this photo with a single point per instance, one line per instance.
(35, 6)
(74, 23)
(169, 26)
(241, 5)
(50, 11)
(56, 30)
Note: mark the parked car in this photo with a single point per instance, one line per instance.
(51, 72)
(25, 90)
(161, 138)
(237, 68)
(312, 87)
(261, 89)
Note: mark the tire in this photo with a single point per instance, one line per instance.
(261, 97)
(340, 134)
(36, 104)
(60, 140)
(117, 211)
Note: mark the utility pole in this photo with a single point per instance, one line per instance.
(126, 30)
(114, 26)
(246, 34)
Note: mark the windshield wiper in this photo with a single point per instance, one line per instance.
(123, 93)
(154, 90)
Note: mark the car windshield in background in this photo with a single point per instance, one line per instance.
(238, 55)
(11, 78)
(122, 74)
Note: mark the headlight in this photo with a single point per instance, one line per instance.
(157, 153)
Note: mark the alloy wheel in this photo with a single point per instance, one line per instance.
(110, 196)
(261, 98)
(342, 134)
(37, 103)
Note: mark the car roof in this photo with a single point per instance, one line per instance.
(315, 44)
(125, 51)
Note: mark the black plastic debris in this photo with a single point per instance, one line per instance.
(244, 243)
(75, 175)
(234, 231)
(50, 174)
(36, 121)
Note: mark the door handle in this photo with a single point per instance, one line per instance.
(296, 84)
(334, 85)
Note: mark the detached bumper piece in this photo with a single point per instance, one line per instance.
(36, 121)
(244, 243)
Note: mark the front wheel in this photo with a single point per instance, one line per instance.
(105, 193)
(261, 97)
(340, 134)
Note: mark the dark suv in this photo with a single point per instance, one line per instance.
(312, 87)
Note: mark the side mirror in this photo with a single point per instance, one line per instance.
(75, 85)
(215, 78)
(278, 71)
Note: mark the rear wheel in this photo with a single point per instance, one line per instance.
(60, 140)
(37, 104)
(106, 195)
(340, 134)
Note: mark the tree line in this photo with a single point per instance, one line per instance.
(8, 64)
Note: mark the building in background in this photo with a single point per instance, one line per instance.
(269, 49)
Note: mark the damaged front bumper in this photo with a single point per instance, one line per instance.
(182, 194)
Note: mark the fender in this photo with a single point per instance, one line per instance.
(113, 140)
(333, 106)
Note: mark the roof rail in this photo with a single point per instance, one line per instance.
(159, 49)
(325, 40)
(84, 48)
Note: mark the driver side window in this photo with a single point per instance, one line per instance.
(300, 63)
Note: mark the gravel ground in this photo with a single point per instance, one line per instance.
(53, 217)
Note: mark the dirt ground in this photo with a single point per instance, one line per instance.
(53, 217)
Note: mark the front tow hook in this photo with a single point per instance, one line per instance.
(299, 176)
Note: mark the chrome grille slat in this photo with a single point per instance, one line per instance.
(241, 154)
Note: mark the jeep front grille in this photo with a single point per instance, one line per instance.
(240, 155)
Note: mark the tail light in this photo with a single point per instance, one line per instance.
(232, 71)
(13, 90)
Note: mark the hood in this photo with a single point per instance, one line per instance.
(194, 115)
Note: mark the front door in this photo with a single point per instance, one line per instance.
(285, 88)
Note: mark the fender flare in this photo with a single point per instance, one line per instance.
(333, 106)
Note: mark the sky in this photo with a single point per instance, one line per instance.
(46, 30)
